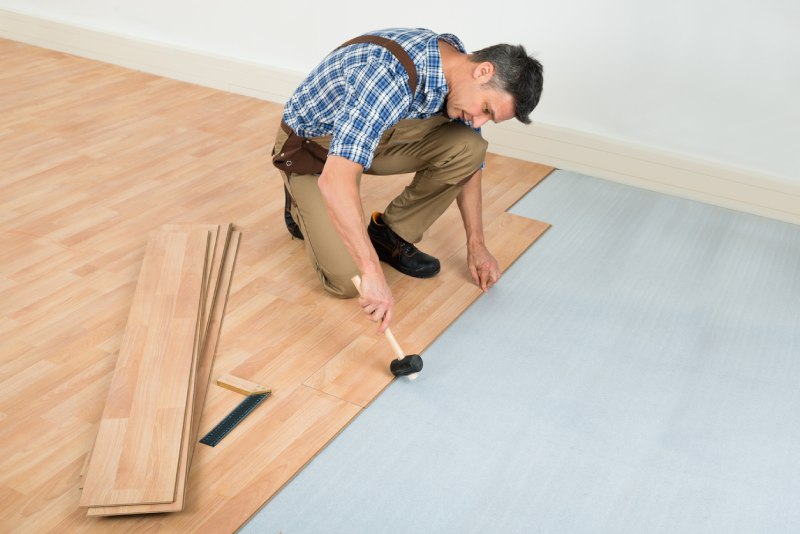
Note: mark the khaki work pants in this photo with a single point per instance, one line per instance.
(441, 153)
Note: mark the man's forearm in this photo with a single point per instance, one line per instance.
(339, 186)
(482, 265)
(470, 204)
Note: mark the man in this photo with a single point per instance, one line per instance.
(395, 101)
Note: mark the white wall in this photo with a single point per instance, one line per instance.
(713, 79)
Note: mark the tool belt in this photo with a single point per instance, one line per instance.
(304, 156)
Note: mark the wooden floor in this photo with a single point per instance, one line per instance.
(93, 158)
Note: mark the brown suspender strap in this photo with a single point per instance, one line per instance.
(303, 156)
(397, 51)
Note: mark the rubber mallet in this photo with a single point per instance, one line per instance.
(407, 365)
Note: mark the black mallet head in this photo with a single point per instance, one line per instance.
(409, 365)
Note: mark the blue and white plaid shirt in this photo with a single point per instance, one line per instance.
(360, 91)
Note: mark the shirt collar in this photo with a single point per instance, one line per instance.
(436, 79)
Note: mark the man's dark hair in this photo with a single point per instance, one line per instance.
(516, 73)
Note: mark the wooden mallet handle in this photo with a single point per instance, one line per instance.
(406, 364)
(395, 345)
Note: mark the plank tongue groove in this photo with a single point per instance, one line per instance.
(136, 454)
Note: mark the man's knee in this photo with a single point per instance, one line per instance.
(338, 285)
(467, 150)
(476, 150)
(475, 144)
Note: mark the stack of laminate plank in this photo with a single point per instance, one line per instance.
(146, 436)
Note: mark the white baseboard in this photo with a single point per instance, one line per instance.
(647, 168)
(572, 150)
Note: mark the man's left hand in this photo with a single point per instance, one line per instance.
(483, 267)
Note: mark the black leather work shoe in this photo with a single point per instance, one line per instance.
(398, 252)
(292, 226)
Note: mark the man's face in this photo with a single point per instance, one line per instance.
(476, 103)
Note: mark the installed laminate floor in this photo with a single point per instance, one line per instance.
(95, 158)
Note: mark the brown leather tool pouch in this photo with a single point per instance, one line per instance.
(300, 155)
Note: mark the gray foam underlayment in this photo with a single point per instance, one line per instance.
(637, 370)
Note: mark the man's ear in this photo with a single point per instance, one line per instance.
(483, 71)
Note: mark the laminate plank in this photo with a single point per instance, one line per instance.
(199, 385)
(302, 425)
(211, 344)
(43, 388)
(241, 385)
(26, 474)
(136, 455)
(360, 371)
(214, 262)
(47, 506)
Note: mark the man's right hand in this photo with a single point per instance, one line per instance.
(376, 299)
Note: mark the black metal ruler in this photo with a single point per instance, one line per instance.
(232, 419)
